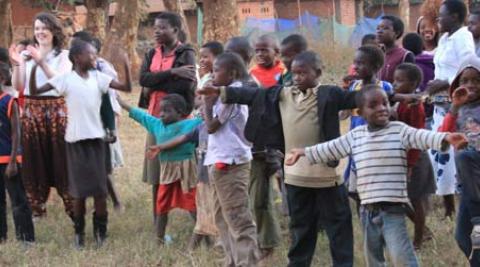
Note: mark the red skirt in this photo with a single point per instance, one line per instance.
(171, 196)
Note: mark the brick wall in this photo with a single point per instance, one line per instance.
(347, 12)
(257, 9)
(288, 9)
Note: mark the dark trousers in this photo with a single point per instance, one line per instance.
(106, 113)
(22, 214)
(312, 209)
(468, 170)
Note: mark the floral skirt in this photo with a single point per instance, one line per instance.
(44, 121)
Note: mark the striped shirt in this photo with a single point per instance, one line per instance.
(380, 156)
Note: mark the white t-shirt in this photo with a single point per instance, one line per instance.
(451, 52)
(60, 64)
(83, 98)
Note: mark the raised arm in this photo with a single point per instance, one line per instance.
(127, 86)
(64, 63)
(18, 68)
(33, 84)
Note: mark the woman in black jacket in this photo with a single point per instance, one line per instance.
(169, 68)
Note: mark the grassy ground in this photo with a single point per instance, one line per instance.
(132, 242)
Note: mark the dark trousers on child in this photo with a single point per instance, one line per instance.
(468, 169)
(22, 215)
(312, 209)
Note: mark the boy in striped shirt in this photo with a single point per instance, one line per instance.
(380, 152)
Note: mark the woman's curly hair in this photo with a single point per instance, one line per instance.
(54, 25)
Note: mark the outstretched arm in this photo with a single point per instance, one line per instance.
(335, 149)
(153, 151)
(33, 84)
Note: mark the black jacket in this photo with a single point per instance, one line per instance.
(264, 124)
(184, 55)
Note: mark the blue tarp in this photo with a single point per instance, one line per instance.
(313, 26)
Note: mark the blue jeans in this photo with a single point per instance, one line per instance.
(386, 227)
(463, 231)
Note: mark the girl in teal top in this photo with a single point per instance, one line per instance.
(178, 171)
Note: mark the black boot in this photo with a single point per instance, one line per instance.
(79, 225)
(100, 229)
(160, 227)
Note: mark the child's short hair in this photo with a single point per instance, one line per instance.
(374, 54)
(397, 24)
(216, 48)
(361, 96)
(413, 42)
(97, 44)
(310, 58)
(297, 41)
(76, 48)
(26, 42)
(368, 38)
(270, 39)
(241, 46)
(414, 73)
(235, 64)
(178, 103)
(456, 7)
(84, 36)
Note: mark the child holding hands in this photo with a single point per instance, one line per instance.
(379, 150)
(178, 169)
(83, 88)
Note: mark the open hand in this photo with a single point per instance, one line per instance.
(153, 151)
(14, 55)
(460, 97)
(11, 170)
(457, 140)
(186, 72)
(34, 53)
(294, 155)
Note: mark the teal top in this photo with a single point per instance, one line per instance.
(165, 133)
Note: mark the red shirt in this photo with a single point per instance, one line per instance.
(268, 77)
(160, 62)
(414, 116)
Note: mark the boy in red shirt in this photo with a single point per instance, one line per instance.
(269, 68)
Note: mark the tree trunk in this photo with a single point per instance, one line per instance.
(122, 36)
(220, 20)
(97, 17)
(359, 10)
(176, 6)
(404, 7)
(5, 23)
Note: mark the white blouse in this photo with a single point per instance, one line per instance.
(83, 98)
(451, 52)
(59, 63)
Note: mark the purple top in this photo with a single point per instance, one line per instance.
(425, 62)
